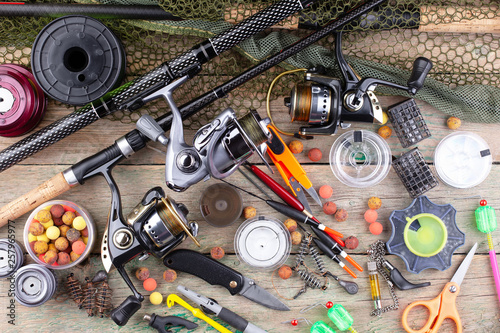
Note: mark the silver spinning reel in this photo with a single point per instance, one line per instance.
(218, 149)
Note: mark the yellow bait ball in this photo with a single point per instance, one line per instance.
(31, 238)
(79, 223)
(453, 123)
(43, 216)
(156, 298)
(47, 224)
(53, 232)
(43, 238)
(385, 118)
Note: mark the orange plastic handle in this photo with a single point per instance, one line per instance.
(440, 308)
(286, 163)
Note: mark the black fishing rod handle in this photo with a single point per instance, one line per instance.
(258, 22)
(47, 136)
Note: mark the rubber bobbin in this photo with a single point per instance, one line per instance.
(77, 59)
(35, 285)
(22, 101)
(11, 257)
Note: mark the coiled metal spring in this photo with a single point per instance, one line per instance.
(103, 299)
(309, 279)
(74, 289)
(89, 297)
(304, 246)
(317, 259)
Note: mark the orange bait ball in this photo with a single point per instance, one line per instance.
(285, 272)
(78, 247)
(371, 215)
(385, 132)
(149, 284)
(341, 215)
(374, 203)
(453, 123)
(376, 228)
(315, 154)
(325, 191)
(296, 147)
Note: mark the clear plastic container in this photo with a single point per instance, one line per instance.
(360, 158)
(90, 226)
(262, 242)
(462, 160)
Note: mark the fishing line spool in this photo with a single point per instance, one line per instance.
(22, 101)
(221, 205)
(76, 59)
(11, 257)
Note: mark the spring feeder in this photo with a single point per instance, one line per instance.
(487, 223)
(425, 235)
(341, 318)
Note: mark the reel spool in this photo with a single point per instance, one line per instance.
(221, 205)
(11, 257)
(34, 285)
(22, 101)
(77, 59)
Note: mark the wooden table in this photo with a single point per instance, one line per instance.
(477, 303)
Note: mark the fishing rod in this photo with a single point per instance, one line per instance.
(134, 141)
(133, 95)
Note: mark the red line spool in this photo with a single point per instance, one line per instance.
(22, 101)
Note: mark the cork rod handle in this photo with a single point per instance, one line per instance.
(441, 19)
(48, 190)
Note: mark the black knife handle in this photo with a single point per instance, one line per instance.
(233, 319)
(205, 268)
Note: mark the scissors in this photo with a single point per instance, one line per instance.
(444, 305)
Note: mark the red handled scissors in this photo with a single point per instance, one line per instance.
(444, 305)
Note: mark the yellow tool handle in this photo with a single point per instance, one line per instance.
(198, 313)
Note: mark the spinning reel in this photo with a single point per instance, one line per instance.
(218, 149)
(326, 103)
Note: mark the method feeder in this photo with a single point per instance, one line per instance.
(134, 141)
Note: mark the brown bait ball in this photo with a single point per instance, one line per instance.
(68, 218)
(315, 154)
(341, 215)
(64, 229)
(58, 222)
(329, 208)
(285, 272)
(85, 232)
(296, 147)
(351, 242)
(43, 216)
(142, 273)
(74, 256)
(36, 229)
(61, 243)
(291, 225)
(57, 211)
(40, 247)
(453, 123)
(72, 235)
(63, 258)
(385, 132)
(249, 212)
(170, 275)
(217, 252)
(50, 257)
(296, 237)
(374, 203)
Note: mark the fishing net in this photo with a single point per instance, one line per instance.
(463, 82)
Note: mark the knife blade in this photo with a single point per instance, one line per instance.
(216, 273)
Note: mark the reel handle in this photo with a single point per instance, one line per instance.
(124, 311)
(421, 67)
(150, 128)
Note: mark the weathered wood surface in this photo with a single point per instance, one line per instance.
(477, 303)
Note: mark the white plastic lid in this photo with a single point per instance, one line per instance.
(262, 242)
(360, 158)
(463, 160)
